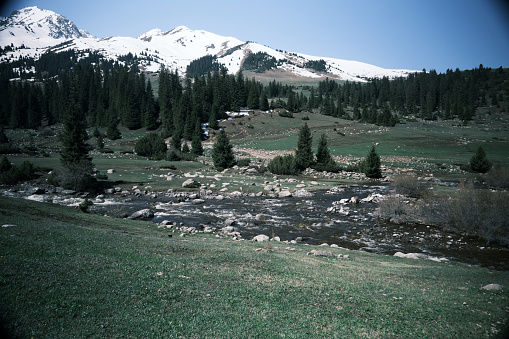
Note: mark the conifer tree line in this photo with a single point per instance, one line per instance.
(112, 93)
(425, 95)
(106, 93)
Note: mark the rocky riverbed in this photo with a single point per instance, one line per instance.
(343, 216)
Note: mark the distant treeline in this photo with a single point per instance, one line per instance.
(117, 92)
(425, 95)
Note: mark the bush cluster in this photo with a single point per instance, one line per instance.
(75, 176)
(283, 165)
(286, 114)
(409, 186)
(476, 212)
(151, 146)
(12, 174)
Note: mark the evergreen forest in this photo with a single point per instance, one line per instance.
(33, 94)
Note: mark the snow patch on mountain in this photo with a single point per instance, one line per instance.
(40, 30)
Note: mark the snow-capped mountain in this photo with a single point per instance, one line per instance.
(38, 28)
(33, 31)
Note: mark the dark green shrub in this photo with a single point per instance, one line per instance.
(326, 167)
(286, 114)
(283, 165)
(85, 205)
(15, 174)
(9, 148)
(173, 157)
(243, 162)
(170, 167)
(5, 164)
(151, 146)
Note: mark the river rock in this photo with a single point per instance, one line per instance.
(302, 193)
(110, 171)
(36, 190)
(36, 197)
(262, 217)
(269, 188)
(285, 194)
(190, 183)
(261, 238)
(230, 222)
(198, 201)
(228, 229)
(144, 214)
(354, 200)
(493, 287)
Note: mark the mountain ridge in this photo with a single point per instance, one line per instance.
(33, 31)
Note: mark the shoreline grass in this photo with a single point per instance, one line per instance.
(66, 274)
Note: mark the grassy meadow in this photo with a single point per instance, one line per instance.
(67, 274)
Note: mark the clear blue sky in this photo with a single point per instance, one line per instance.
(410, 34)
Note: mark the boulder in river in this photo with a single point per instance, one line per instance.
(144, 214)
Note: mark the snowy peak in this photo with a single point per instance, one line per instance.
(152, 33)
(31, 31)
(33, 23)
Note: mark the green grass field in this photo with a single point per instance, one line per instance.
(66, 274)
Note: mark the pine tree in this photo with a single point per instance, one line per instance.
(3, 136)
(150, 113)
(196, 146)
(74, 137)
(100, 142)
(323, 154)
(113, 132)
(479, 161)
(304, 156)
(5, 164)
(264, 102)
(222, 152)
(371, 165)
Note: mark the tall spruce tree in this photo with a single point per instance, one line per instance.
(196, 146)
(371, 165)
(479, 161)
(304, 156)
(222, 152)
(112, 132)
(323, 155)
(74, 136)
